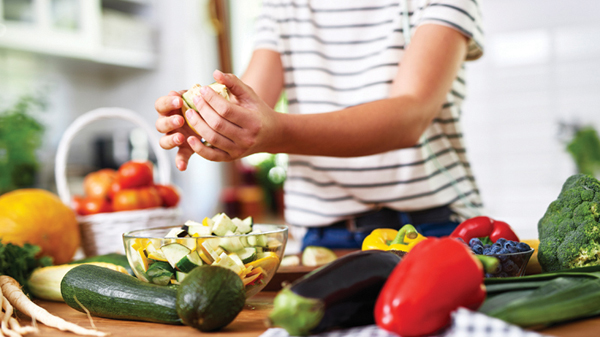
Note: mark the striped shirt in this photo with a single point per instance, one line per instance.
(341, 53)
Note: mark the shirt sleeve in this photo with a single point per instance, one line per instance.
(266, 29)
(462, 15)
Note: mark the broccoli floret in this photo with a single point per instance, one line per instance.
(569, 231)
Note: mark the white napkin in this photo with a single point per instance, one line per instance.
(465, 323)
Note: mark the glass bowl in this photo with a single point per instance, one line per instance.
(163, 260)
(511, 264)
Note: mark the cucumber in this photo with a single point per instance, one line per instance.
(175, 252)
(110, 294)
(189, 262)
(114, 258)
(247, 254)
(160, 273)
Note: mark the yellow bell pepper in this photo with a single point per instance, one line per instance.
(390, 239)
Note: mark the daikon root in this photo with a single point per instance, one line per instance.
(12, 291)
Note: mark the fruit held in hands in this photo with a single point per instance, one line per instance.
(188, 99)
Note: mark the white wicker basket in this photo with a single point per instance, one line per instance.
(102, 233)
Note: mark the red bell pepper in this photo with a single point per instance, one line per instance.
(482, 227)
(434, 279)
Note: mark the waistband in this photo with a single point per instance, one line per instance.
(390, 218)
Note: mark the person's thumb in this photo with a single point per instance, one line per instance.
(238, 88)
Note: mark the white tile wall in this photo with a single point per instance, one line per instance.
(542, 66)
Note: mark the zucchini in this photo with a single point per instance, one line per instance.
(175, 252)
(189, 262)
(544, 299)
(210, 297)
(110, 294)
(231, 243)
(222, 225)
(160, 273)
(44, 283)
(247, 255)
(341, 294)
(114, 258)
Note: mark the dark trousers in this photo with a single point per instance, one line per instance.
(349, 234)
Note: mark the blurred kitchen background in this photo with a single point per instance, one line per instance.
(537, 84)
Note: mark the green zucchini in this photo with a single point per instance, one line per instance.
(160, 273)
(114, 258)
(110, 294)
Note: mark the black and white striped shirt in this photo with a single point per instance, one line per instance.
(340, 53)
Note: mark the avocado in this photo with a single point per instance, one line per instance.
(210, 297)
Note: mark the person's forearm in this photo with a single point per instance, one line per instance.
(419, 90)
(361, 130)
(264, 75)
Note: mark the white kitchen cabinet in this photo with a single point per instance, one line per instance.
(116, 32)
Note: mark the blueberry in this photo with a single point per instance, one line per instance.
(512, 249)
(487, 275)
(498, 269)
(523, 247)
(495, 249)
(501, 241)
(477, 249)
(474, 241)
(508, 244)
(486, 251)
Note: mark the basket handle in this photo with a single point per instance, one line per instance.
(60, 165)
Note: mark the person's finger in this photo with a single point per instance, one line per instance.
(234, 84)
(168, 105)
(182, 157)
(168, 124)
(205, 131)
(170, 141)
(224, 109)
(210, 153)
(176, 93)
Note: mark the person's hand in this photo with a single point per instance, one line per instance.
(172, 124)
(235, 129)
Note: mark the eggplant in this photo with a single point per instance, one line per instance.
(339, 295)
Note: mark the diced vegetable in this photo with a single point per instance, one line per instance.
(231, 243)
(223, 224)
(160, 273)
(189, 262)
(247, 255)
(175, 252)
(226, 261)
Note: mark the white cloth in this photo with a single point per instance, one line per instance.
(465, 323)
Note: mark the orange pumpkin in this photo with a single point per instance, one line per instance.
(39, 217)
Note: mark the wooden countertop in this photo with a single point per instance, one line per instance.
(249, 323)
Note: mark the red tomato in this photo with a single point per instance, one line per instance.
(77, 203)
(135, 174)
(168, 194)
(97, 184)
(94, 205)
(136, 198)
(114, 188)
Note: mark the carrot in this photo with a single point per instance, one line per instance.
(12, 290)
